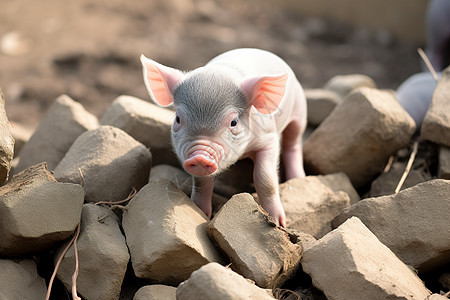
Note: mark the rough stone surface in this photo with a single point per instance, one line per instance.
(36, 211)
(257, 250)
(344, 84)
(310, 204)
(21, 135)
(237, 179)
(64, 122)
(387, 182)
(177, 176)
(320, 103)
(444, 280)
(166, 234)
(413, 223)
(156, 292)
(214, 281)
(359, 136)
(444, 163)
(305, 240)
(148, 123)
(436, 125)
(436, 297)
(340, 182)
(19, 280)
(102, 255)
(184, 182)
(111, 163)
(6, 143)
(351, 263)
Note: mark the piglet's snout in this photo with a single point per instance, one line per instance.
(202, 160)
(200, 163)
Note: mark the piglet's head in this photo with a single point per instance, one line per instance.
(212, 127)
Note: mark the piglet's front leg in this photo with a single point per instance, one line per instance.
(202, 191)
(265, 178)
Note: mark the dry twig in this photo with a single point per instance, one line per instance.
(408, 166)
(428, 63)
(50, 284)
(131, 195)
(389, 164)
(75, 273)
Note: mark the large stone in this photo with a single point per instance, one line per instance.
(412, 223)
(351, 263)
(36, 211)
(437, 297)
(108, 161)
(166, 234)
(310, 205)
(444, 162)
(340, 182)
(359, 136)
(344, 84)
(21, 135)
(102, 255)
(146, 122)
(256, 248)
(184, 182)
(19, 280)
(387, 182)
(156, 292)
(320, 103)
(214, 281)
(64, 122)
(177, 176)
(436, 125)
(6, 143)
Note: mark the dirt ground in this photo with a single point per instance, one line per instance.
(90, 49)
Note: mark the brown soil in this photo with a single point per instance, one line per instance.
(90, 49)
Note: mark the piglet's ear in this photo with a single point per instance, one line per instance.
(160, 80)
(265, 92)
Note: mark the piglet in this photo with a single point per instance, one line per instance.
(243, 103)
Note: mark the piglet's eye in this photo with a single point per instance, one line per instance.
(233, 123)
(177, 119)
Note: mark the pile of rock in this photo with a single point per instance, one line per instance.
(159, 245)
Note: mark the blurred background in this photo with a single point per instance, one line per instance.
(90, 49)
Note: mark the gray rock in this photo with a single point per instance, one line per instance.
(436, 297)
(359, 136)
(64, 122)
(351, 263)
(340, 182)
(320, 103)
(110, 161)
(177, 176)
(344, 84)
(184, 182)
(214, 281)
(310, 204)
(444, 162)
(444, 280)
(147, 123)
(156, 292)
(102, 255)
(6, 143)
(21, 135)
(386, 183)
(413, 223)
(257, 250)
(436, 124)
(166, 234)
(19, 280)
(36, 211)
